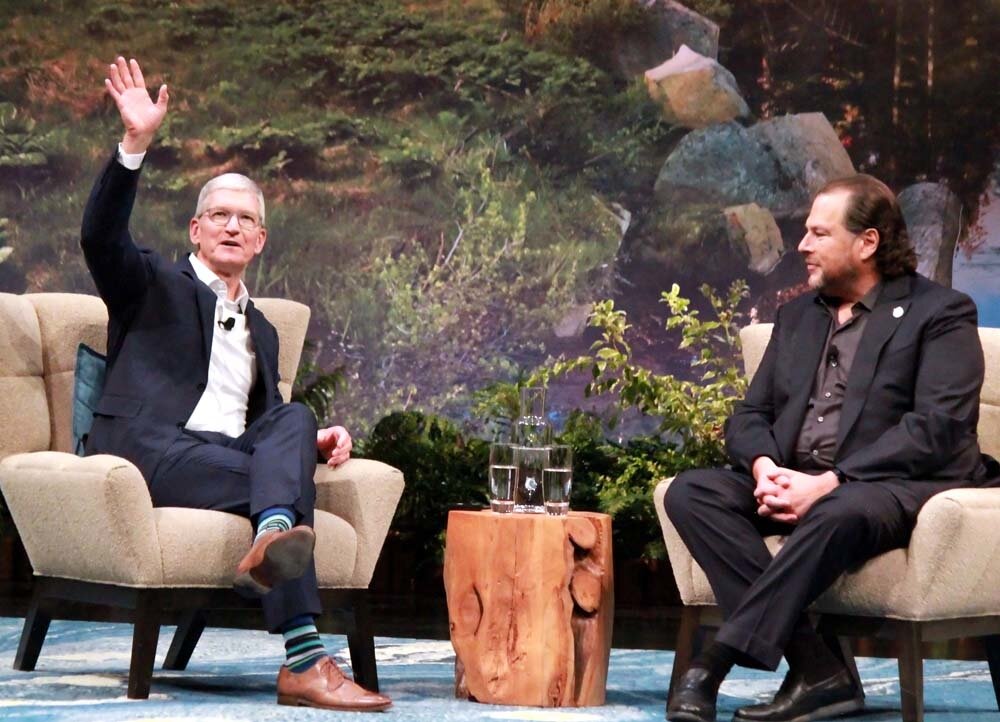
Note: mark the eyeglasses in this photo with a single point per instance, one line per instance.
(221, 216)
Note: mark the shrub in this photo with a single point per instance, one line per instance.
(443, 469)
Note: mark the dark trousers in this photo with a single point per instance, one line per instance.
(763, 599)
(271, 464)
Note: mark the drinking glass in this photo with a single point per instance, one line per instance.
(530, 461)
(503, 478)
(557, 479)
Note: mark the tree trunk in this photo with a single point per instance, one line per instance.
(531, 606)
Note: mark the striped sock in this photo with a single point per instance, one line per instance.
(277, 518)
(303, 647)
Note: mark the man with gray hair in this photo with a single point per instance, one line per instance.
(191, 396)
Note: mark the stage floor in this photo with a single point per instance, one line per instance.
(82, 672)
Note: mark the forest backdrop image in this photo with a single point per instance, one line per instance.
(453, 185)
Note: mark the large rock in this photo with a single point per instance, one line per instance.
(807, 150)
(665, 26)
(695, 91)
(671, 26)
(720, 244)
(722, 165)
(934, 221)
(753, 229)
(777, 164)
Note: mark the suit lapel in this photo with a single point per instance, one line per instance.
(258, 334)
(206, 301)
(807, 345)
(888, 313)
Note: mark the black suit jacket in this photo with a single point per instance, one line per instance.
(912, 399)
(161, 321)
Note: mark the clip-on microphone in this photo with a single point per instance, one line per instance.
(228, 324)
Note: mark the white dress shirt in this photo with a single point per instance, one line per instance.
(232, 366)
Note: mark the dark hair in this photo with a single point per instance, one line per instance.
(872, 205)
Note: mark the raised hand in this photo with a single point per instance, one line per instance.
(140, 115)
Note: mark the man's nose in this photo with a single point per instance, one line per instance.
(232, 225)
(805, 244)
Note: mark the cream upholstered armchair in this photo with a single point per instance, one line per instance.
(946, 584)
(90, 529)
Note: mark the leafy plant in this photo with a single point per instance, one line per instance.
(316, 387)
(21, 146)
(619, 478)
(691, 412)
(443, 469)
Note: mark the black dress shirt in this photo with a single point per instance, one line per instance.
(817, 440)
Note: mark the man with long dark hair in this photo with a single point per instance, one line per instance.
(865, 405)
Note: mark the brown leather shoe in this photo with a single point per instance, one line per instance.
(324, 685)
(274, 558)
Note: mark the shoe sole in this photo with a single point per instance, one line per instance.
(831, 710)
(687, 717)
(299, 702)
(283, 561)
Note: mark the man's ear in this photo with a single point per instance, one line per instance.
(869, 243)
(261, 239)
(194, 232)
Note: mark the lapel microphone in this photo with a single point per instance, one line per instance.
(228, 324)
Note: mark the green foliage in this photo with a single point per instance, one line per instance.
(316, 387)
(21, 146)
(691, 412)
(443, 469)
(619, 479)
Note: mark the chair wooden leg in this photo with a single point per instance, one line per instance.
(911, 671)
(684, 649)
(361, 642)
(145, 635)
(992, 644)
(36, 626)
(185, 640)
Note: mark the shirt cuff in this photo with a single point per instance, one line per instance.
(132, 161)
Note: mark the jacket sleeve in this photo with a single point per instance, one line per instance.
(749, 431)
(120, 270)
(945, 412)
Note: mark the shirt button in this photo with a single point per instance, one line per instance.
(834, 364)
(827, 395)
(819, 419)
(815, 452)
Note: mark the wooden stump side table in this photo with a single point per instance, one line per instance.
(530, 606)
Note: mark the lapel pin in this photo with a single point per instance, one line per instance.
(897, 312)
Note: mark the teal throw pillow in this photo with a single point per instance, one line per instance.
(88, 386)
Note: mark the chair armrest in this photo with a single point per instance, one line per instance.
(681, 561)
(83, 518)
(364, 493)
(951, 560)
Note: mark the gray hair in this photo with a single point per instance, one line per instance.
(230, 182)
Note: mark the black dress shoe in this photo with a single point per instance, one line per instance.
(798, 701)
(694, 698)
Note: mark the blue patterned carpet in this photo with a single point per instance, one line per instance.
(82, 671)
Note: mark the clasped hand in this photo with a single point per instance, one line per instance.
(785, 495)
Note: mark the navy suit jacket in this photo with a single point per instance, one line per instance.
(161, 321)
(912, 400)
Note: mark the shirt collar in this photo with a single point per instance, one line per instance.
(206, 276)
(866, 302)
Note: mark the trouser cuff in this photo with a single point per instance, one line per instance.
(755, 652)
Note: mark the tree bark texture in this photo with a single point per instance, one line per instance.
(530, 606)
